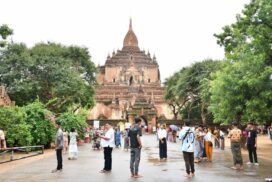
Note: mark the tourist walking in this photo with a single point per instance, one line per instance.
(216, 134)
(117, 138)
(198, 144)
(91, 132)
(252, 144)
(59, 146)
(73, 151)
(134, 135)
(162, 134)
(187, 137)
(65, 141)
(126, 139)
(2, 139)
(208, 145)
(235, 139)
(170, 134)
(222, 139)
(107, 143)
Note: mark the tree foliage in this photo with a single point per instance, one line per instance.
(41, 127)
(71, 120)
(5, 32)
(188, 90)
(12, 120)
(242, 91)
(61, 76)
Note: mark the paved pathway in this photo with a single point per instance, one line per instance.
(89, 163)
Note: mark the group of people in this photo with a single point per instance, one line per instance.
(197, 144)
(206, 140)
(133, 137)
(62, 145)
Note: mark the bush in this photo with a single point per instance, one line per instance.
(71, 120)
(12, 120)
(42, 130)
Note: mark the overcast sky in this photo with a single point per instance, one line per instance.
(179, 32)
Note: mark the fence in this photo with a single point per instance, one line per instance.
(17, 153)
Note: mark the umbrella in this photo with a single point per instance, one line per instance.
(174, 127)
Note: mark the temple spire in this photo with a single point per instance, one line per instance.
(130, 40)
(130, 23)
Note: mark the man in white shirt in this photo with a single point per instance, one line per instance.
(162, 134)
(107, 142)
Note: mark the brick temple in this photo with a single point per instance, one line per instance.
(4, 98)
(130, 86)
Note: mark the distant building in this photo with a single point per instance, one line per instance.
(4, 98)
(130, 86)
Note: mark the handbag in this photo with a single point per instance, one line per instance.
(210, 144)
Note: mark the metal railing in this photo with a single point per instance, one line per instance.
(17, 153)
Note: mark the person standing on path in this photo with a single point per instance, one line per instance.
(65, 141)
(117, 138)
(162, 134)
(252, 144)
(198, 144)
(187, 137)
(209, 145)
(2, 139)
(126, 140)
(73, 151)
(134, 135)
(235, 139)
(108, 144)
(59, 146)
(222, 139)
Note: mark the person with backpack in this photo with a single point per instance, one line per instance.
(187, 137)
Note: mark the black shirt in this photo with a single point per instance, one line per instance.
(134, 132)
(251, 137)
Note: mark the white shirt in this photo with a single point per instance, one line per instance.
(162, 133)
(2, 135)
(208, 137)
(108, 143)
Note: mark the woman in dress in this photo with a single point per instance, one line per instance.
(117, 138)
(73, 145)
(65, 141)
(209, 145)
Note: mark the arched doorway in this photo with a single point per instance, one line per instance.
(131, 80)
(144, 123)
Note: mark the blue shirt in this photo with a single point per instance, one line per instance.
(187, 136)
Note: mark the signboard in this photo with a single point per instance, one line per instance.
(96, 124)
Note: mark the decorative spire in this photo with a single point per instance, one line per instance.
(130, 24)
(130, 39)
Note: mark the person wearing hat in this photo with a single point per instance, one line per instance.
(58, 147)
(235, 139)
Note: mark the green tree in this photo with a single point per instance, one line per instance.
(62, 77)
(176, 97)
(5, 32)
(242, 91)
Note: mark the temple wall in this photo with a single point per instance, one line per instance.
(152, 74)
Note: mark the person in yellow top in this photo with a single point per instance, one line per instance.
(235, 139)
(2, 140)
